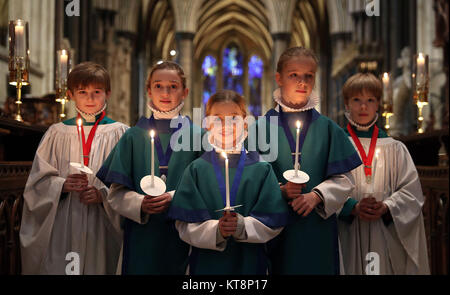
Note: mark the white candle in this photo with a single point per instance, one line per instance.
(19, 39)
(420, 69)
(63, 60)
(386, 82)
(80, 125)
(297, 165)
(374, 167)
(227, 182)
(152, 135)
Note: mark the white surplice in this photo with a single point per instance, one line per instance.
(55, 224)
(401, 245)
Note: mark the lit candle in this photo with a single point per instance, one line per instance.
(386, 82)
(420, 69)
(374, 167)
(80, 125)
(19, 39)
(227, 182)
(63, 60)
(297, 165)
(152, 135)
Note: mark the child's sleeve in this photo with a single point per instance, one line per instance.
(269, 214)
(339, 182)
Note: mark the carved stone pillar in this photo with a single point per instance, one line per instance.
(184, 58)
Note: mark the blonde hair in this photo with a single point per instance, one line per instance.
(226, 96)
(88, 73)
(295, 52)
(360, 83)
(166, 65)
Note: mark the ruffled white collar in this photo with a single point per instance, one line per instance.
(165, 115)
(358, 126)
(90, 117)
(313, 101)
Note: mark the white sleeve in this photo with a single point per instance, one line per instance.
(204, 235)
(127, 203)
(251, 230)
(334, 193)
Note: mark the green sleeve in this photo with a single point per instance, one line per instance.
(346, 211)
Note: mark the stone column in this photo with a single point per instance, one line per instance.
(185, 51)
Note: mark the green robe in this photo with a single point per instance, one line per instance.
(309, 245)
(153, 247)
(198, 197)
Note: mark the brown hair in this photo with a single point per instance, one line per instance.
(226, 96)
(166, 65)
(360, 83)
(88, 73)
(295, 52)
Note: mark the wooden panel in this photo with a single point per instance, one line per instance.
(13, 177)
(435, 187)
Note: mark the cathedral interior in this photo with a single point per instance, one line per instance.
(227, 44)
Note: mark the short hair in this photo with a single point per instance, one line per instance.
(295, 52)
(360, 83)
(226, 96)
(88, 73)
(166, 65)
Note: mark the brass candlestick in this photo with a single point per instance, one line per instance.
(421, 83)
(62, 72)
(19, 61)
(388, 103)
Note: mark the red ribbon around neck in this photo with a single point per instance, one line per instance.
(87, 144)
(367, 160)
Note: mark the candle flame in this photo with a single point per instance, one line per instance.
(377, 152)
(385, 76)
(420, 56)
(63, 52)
(79, 122)
(224, 155)
(152, 133)
(298, 124)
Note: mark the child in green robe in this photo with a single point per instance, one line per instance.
(309, 244)
(151, 243)
(228, 241)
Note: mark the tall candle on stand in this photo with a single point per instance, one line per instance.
(227, 182)
(420, 69)
(386, 87)
(296, 165)
(20, 40)
(63, 60)
(152, 135)
(80, 124)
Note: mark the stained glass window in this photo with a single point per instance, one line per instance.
(209, 70)
(255, 72)
(232, 69)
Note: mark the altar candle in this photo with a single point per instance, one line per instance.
(80, 125)
(386, 82)
(152, 135)
(63, 60)
(19, 39)
(227, 182)
(420, 69)
(297, 165)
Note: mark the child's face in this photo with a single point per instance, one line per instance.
(362, 107)
(226, 124)
(89, 99)
(296, 80)
(166, 90)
